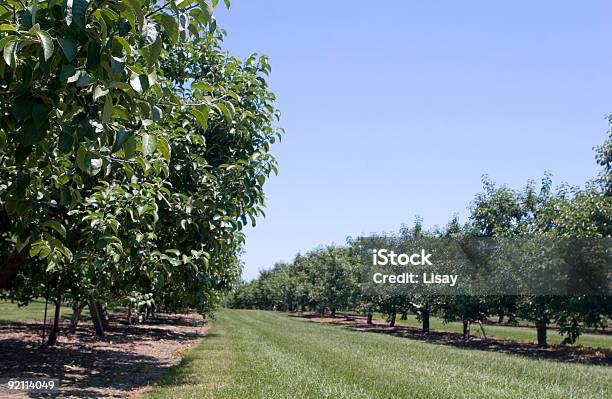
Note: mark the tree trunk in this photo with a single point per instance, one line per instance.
(77, 307)
(370, 318)
(501, 317)
(333, 312)
(95, 317)
(404, 316)
(541, 331)
(466, 330)
(392, 319)
(53, 334)
(425, 318)
(103, 315)
(129, 316)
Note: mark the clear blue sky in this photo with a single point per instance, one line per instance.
(397, 108)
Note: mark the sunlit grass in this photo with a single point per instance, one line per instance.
(257, 354)
(11, 312)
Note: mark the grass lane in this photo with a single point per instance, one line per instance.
(11, 312)
(256, 354)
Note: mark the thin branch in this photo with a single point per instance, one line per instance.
(97, 6)
(147, 15)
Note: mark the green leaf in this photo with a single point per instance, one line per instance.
(168, 22)
(202, 86)
(40, 115)
(10, 49)
(213, 26)
(157, 113)
(59, 246)
(136, 83)
(149, 34)
(22, 107)
(227, 4)
(82, 79)
(226, 112)
(33, 11)
(231, 109)
(88, 162)
(95, 165)
(99, 92)
(8, 28)
(129, 148)
(107, 112)
(120, 139)
(207, 10)
(75, 12)
(138, 12)
(85, 80)
(31, 133)
(153, 52)
(80, 158)
(64, 196)
(46, 41)
(44, 252)
(66, 73)
(5, 40)
(68, 47)
(164, 148)
(66, 140)
(35, 249)
(201, 116)
(93, 55)
(117, 65)
(149, 144)
(123, 43)
(57, 226)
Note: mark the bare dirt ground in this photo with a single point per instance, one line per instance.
(127, 361)
(553, 352)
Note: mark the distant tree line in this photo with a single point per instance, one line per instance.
(328, 279)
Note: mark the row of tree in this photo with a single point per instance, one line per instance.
(330, 278)
(133, 151)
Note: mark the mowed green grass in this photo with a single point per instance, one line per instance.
(257, 354)
(11, 312)
(520, 334)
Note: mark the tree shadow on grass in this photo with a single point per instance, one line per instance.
(557, 353)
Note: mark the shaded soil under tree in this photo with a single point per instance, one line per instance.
(125, 362)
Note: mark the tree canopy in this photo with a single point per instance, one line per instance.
(133, 150)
